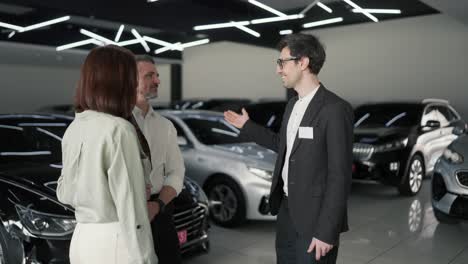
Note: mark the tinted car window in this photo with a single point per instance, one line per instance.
(213, 131)
(12, 139)
(387, 115)
(446, 115)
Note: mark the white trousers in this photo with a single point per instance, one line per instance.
(98, 244)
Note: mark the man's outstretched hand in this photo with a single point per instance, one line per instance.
(235, 119)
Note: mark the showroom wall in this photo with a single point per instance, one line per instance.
(405, 59)
(226, 69)
(34, 76)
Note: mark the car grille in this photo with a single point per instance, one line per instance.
(362, 151)
(462, 177)
(191, 219)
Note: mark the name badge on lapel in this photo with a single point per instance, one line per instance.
(306, 132)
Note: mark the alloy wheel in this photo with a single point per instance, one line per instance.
(224, 202)
(415, 175)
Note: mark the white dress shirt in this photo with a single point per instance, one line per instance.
(167, 163)
(291, 132)
(102, 178)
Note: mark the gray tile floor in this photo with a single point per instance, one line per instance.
(385, 229)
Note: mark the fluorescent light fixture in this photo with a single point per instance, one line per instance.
(267, 8)
(45, 23)
(10, 26)
(142, 40)
(286, 32)
(323, 22)
(119, 33)
(162, 43)
(307, 8)
(183, 46)
(163, 49)
(195, 43)
(11, 34)
(248, 30)
(379, 11)
(221, 25)
(324, 7)
(274, 19)
(79, 43)
(152, 1)
(367, 14)
(96, 36)
(128, 42)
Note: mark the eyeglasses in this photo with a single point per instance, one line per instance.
(280, 62)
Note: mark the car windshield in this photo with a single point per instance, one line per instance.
(213, 130)
(387, 115)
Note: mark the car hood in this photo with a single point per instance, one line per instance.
(379, 135)
(250, 152)
(42, 176)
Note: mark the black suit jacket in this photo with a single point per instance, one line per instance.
(319, 176)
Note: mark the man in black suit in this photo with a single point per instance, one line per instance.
(312, 176)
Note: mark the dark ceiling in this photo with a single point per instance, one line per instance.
(173, 20)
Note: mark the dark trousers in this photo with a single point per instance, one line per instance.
(291, 247)
(165, 239)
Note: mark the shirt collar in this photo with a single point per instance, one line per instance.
(309, 96)
(138, 112)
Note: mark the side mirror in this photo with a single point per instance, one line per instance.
(432, 124)
(182, 141)
(458, 131)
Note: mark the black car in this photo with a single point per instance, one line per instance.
(219, 105)
(35, 227)
(399, 143)
(267, 114)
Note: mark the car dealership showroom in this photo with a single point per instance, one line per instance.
(254, 132)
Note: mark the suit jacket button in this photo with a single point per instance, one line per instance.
(292, 160)
(138, 226)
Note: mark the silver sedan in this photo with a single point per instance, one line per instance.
(236, 175)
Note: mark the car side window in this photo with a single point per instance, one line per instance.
(445, 116)
(431, 113)
(12, 139)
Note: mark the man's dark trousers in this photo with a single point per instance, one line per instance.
(291, 247)
(166, 241)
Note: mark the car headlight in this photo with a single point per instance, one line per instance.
(264, 174)
(45, 225)
(452, 156)
(393, 145)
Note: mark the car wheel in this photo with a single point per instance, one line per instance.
(227, 203)
(444, 218)
(413, 178)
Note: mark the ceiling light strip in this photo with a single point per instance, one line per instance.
(45, 23)
(267, 8)
(248, 30)
(119, 33)
(378, 11)
(162, 43)
(323, 22)
(128, 42)
(286, 32)
(221, 25)
(96, 36)
(324, 7)
(79, 43)
(142, 40)
(307, 8)
(367, 14)
(195, 43)
(275, 19)
(10, 26)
